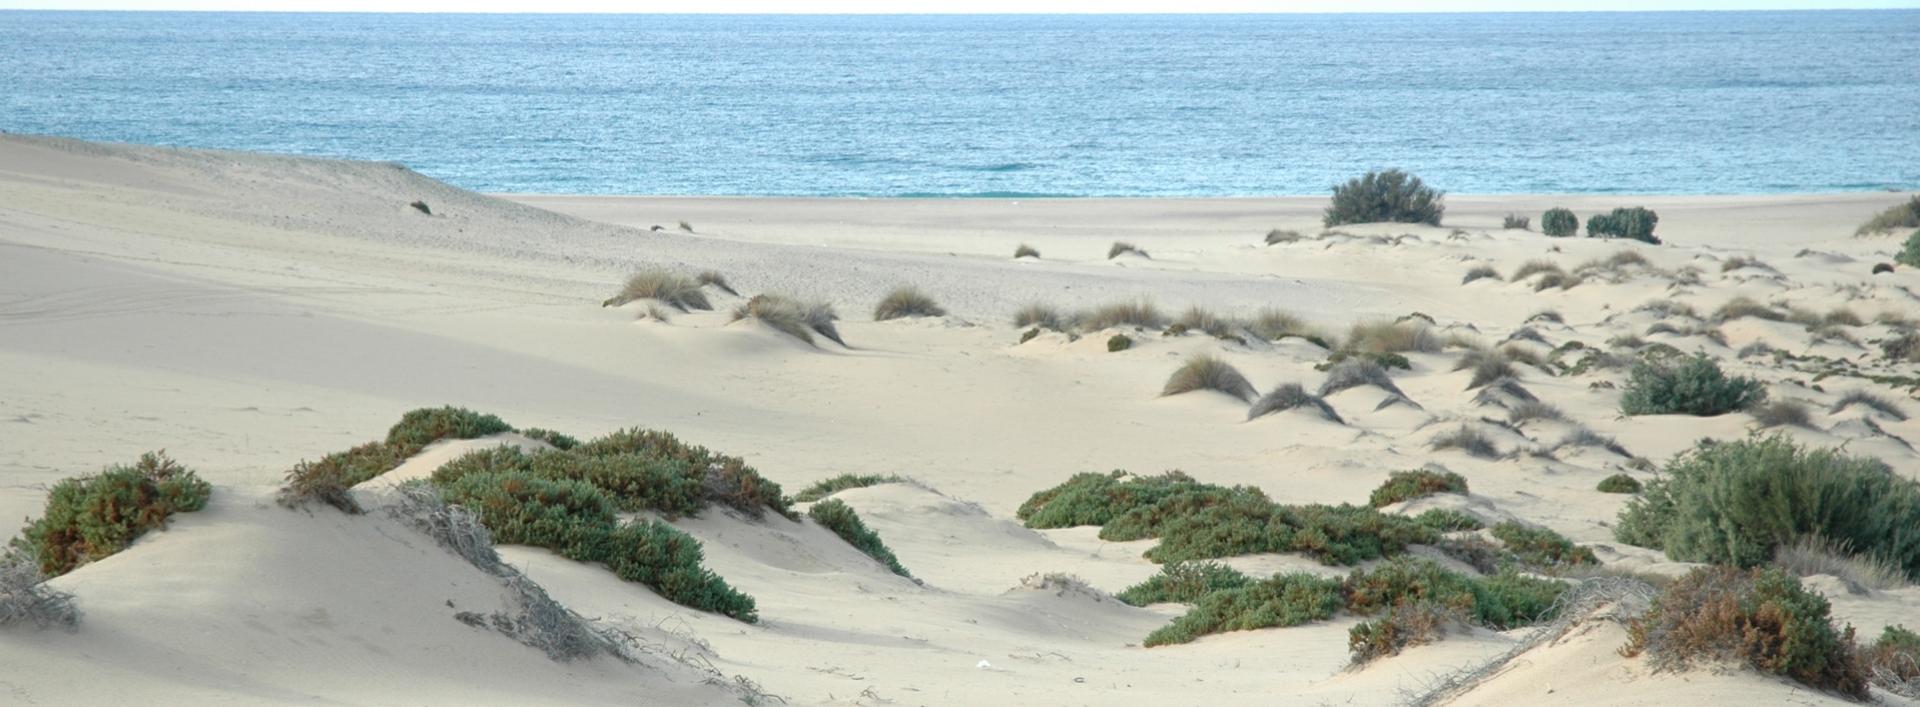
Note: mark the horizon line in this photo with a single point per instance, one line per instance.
(683, 13)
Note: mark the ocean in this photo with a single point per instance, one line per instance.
(967, 106)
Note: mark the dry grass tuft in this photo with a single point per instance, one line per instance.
(1877, 403)
(673, 289)
(1288, 396)
(1278, 236)
(1356, 372)
(1742, 307)
(1480, 272)
(1025, 251)
(1468, 440)
(1273, 324)
(1812, 555)
(1136, 313)
(1205, 321)
(1040, 315)
(1381, 337)
(1536, 267)
(1895, 218)
(800, 320)
(907, 301)
(1776, 413)
(1120, 248)
(715, 279)
(1209, 372)
(1741, 261)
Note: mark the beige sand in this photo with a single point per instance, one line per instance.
(247, 311)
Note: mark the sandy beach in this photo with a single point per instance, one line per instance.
(245, 312)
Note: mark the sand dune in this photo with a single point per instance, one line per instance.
(245, 312)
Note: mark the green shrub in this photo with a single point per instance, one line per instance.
(1760, 617)
(552, 438)
(1382, 197)
(1540, 547)
(1893, 662)
(329, 479)
(828, 487)
(1619, 483)
(419, 428)
(1501, 602)
(1691, 386)
(1909, 254)
(1897, 217)
(90, 517)
(1245, 525)
(1559, 223)
(1737, 502)
(1184, 582)
(579, 522)
(1448, 520)
(1636, 223)
(1406, 485)
(1118, 343)
(1127, 507)
(1283, 600)
(635, 482)
(1403, 626)
(726, 480)
(837, 516)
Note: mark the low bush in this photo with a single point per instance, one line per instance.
(330, 478)
(1691, 386)
(723, 479)
(1619, 483)
(1282, 600)
(839, 517)
(1909, 254)
(1737, 502)
(1898, 217)
(1382, 197)
(828, 487)
(1208, 372)
(1118, 343)
(1447, 520)
(1288, 396)
(1245, 525)
(90, 517)
(1416, 483)
(1127, 507)
(672, 289)
(1559, 223)
(1636, 223)
(419, 428)
(578, 521)
(1761, 617)
(1893, 662)
(1402, 626)
(907, 301)
(1184, 582)
(1535, 546)
(1516, 221)
(552, 438)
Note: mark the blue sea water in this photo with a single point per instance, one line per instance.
(1750, 102)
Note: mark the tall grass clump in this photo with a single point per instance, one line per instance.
(1691, 386)
(1025, 251)
(800, 320)
(1392, 196)
(1877, 403)
(1416, 483)
(1893, 662)
(828, 487)
(907, 301)
(1536, 267)
(1205, 321)
(1273, 324)
(1812, 555)
(1278, 236)
(1909, 254)
(1468, 440)
(1209, 372)
(837, 516)
(1289, 396)
(330, 478)
(1896, 218)
(1738, 502)
(1559, 223)
(1120, 248)
(1356, 372)
(90, 517)
(1762, 618)
(673, 289)
(1741, 307)
(1183, 582)
(1481, 272)
(1516, 222)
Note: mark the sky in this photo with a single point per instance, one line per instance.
(946, 6)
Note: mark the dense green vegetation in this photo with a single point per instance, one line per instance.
(90, 517)
(839, 517)
(1382, 197)
(1760, 617)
